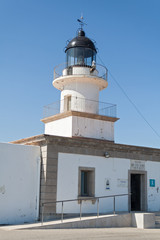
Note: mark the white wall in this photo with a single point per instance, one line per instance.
(85, 92)
(93, 128)
(19, 183)
(82, 127)
(153, 172)
(61, 127)
(80, 89)
(114, 169)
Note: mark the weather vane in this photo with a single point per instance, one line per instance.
(81, 22)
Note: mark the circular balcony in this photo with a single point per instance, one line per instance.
(96, 74)
(97, 71)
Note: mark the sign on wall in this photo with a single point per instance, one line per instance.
(152, 182)
(137, 165)
(122, 183)
(107, 183)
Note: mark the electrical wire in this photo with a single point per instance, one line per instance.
(129, 99)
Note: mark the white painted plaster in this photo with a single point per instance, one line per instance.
(19, 183)
(67, 186)
(82, 127)
(92, 128)
(153, 172)
(114, 169)
(83, 95)
(60, 127)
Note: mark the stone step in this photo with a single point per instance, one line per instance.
(157, 213)
(157, 220)
(157, 225)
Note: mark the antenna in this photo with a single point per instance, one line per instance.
(81, 21)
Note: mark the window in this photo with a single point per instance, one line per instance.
(67, 103)
(70, 57)
(80, 56)
(86, 183)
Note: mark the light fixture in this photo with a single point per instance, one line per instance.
(106, 154)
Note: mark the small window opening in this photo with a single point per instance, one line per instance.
(86, 183)
(67, 103)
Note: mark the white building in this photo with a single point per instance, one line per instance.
(79, 158)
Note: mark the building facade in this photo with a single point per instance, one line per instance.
(127, 169)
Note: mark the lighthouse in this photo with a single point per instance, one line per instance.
(77, 168)
(80, 80)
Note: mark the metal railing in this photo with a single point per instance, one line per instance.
(81, 200)
(80, 105)
(99, 71)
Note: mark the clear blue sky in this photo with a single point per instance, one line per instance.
(33, 34)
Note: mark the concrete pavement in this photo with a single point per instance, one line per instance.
(77, 234)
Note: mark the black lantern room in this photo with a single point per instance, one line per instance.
(80, 51)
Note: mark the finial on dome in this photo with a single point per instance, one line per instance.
(81, 22)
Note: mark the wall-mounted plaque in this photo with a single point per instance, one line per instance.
(122, 183)
(137, 165)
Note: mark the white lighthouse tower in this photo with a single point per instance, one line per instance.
(80, 79)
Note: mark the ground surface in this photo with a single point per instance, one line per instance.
(87, 234)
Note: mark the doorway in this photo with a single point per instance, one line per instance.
(138, 190)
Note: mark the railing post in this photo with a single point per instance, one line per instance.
(42, 206)
(62, 213)
(97, 207)
(80, 209)
(114, 205)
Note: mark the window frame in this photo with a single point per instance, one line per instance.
(90, 182)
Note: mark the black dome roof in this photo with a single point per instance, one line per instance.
(81, 41)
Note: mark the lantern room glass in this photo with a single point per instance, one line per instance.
(80, 56)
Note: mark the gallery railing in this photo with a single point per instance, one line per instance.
(80, 200)
(97, 71)
(80, 105)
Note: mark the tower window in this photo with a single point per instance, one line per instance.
(67, 103)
